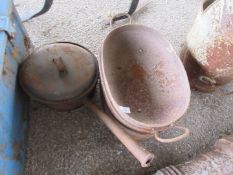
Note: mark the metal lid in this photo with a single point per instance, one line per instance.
(58, 72)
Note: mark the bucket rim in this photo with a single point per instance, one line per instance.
(123, 117)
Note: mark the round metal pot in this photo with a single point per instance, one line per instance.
(208, 53)
(143, 80)
(60, 75)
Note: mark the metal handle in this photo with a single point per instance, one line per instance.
(60, 66)
(46, 7)
(205, 4)
(132, 9)
(140, 153)
(175, 139)
(135, 6)
(118, 15)
(207, 80)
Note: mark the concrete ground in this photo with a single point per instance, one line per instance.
(77, 143)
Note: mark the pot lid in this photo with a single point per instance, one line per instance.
(58, 72)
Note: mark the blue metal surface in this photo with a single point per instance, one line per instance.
(14, 47)
(6, 25)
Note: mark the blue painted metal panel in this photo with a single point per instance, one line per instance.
(14, 48)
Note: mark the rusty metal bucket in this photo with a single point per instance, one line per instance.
(63, 75)
(208, 53)
(143, 80)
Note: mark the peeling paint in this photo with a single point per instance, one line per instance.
(12, 101)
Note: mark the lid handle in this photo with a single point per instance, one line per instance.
(60, 66)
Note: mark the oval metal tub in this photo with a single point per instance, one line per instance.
(144, 82)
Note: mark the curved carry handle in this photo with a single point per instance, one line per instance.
(211, 81)
(132, 9)
(185, 134)
(120, 14)
(135, 6)
(205, 4)
(207, 80)
(47, 6)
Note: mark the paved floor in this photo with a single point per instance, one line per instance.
(77, 143)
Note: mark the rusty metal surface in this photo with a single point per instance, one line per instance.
(59, 75)
(209, 51)
(144, 82)
(219, 161)
(139, 136)
(13, 103)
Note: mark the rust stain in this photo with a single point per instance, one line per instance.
(15, 52)
(6, 69)
(158, 69)
(32, 80)
(165, 80)
(220, 62)
(26, 42)
(220, 55)
(138, 72)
